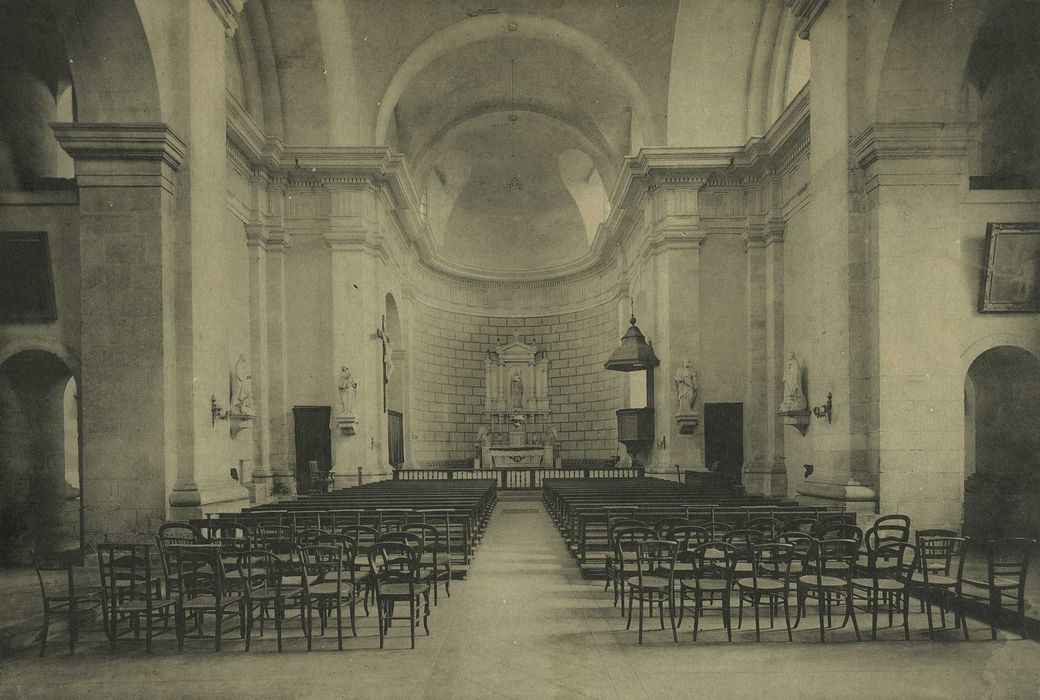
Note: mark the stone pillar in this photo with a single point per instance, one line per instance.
(126, 175)
(356, 311)
(763, 469)
(676, 235)
(839, 305)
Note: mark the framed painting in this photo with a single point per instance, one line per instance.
(1011, 280)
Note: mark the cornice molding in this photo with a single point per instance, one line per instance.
(111, 141)
(910, 141)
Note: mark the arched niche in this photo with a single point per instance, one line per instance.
(40, 466)
(1002, 443)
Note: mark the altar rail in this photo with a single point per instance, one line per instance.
(517, 479)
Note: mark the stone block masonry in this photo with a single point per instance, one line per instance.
(449, 387)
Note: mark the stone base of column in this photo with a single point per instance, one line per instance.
(263, 488)
(765, 478)
(198, 500)
(856, 497)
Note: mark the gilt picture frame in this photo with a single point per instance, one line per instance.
(1011, 276)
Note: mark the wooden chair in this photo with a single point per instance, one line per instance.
(653, 556)
(395, 576)
(829, 580)
(174, 533)
(203, 589)
(433, 568)
(769, 581)
(1007, 565)
(60, 594)
(940, 577)
(704, 578)
(364, 537)
(890, 570)
(769, 526)
(323, 564)
(269, 585)
(625, 541)
(131, 588)
(803, 523)
(609, 564)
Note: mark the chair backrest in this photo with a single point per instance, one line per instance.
(392, 519)
(412, 539)
(363, 535)
(346, 543)
(886, 532)
(899, 559)
(1009, 558)
(653, 555)
(941, 554)
(765, 524)
(321, 563)
(310, 536)
(709, 560)
(261, 569)
(688, 536)
(664, 526)
(430, 537)
(771, 560)
(126, 573)
(838, 530)
(47, 565)
(200, 571)
(626, 539)
(836, 555)
(802, 523)
(616, 523)
(178, 533)
(893, 519)
(275, 538)
(716, 528)
(393, 562)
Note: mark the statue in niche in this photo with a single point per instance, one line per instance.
(347, 391)
(243, 387)
(685, 387)
(483, 435)
(794, 399)
(516, 390)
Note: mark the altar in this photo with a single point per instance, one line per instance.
(517, 432)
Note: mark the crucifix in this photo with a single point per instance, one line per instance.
(388, 360)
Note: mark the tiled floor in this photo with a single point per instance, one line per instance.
(525, 625)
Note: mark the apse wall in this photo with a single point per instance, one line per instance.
(448, 394)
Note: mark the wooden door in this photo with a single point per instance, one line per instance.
(724, 438)
(395, 438)
(313, 442)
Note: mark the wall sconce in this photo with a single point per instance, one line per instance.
(824, 410)
(216, 412)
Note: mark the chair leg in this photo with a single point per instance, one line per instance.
(906, 615)
(339, 624)
(640, 614)
(426, 615)
(46, 627)
(821, 598)
(279, 613)
(217, 628)
(696, 616)
(851, 613)
(727, 619)
(758, 629)
(671, 615)
(72, 627)
(379, 614)
(787, 619)
(148, 632)
(411, 618)
(628, 625)
(928, 608)
(310, 623)
(180, 624)
(353, 616)
(873, 603)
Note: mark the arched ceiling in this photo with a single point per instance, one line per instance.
(480, 95)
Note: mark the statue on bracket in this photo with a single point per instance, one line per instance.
(347, 391)
(242, 387)
(685, 387)
(794, 399)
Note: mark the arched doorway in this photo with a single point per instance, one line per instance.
(395, 368)
(1002, 444)
(40, 469)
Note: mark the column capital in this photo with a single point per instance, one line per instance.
(122, 155)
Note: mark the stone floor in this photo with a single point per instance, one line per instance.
(525, 625)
